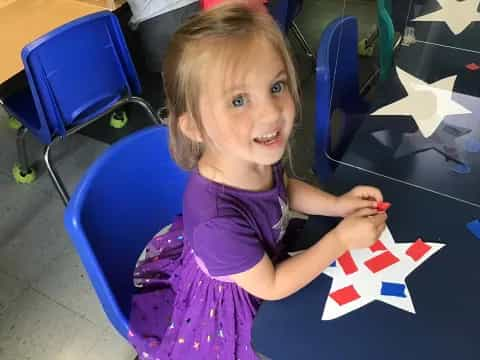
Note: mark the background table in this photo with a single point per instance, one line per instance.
(107, 4)
(438, 32)
(444, 290)
(393, 146)
(22, 21)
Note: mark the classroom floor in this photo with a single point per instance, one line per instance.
(48, 309)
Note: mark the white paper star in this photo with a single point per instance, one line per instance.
(428, 104)
(443, 141)
(368, 284)
(456, 14)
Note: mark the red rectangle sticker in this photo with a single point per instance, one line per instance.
(345, 295)
(347, 263)
(381, 261)
(378, 246)
(418, 249)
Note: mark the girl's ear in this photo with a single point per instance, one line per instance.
(189, 128)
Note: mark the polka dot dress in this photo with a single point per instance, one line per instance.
(180, 312)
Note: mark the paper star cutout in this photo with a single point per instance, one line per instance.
(413, 143)
(444, 142)
(428, 104)
(409, 144)
(368, 285)
(456, 14)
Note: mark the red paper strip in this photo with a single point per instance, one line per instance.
(378, 246)
(383, 206)
(472, 67)
(381, 261)
(418, 249)
(345, 295)
(347, 263)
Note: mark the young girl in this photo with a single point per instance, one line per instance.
(232, 96)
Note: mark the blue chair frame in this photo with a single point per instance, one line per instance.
(130, 192)
(285, 12)
(337, 87)
(76, 74)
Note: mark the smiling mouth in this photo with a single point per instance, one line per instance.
(268, 139)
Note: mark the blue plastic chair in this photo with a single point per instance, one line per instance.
(337, 87)
(131, 192)
(284, 12)
(76, 74)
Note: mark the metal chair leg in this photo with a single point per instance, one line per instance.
(372, 38)
(22, 172)
(147, 107)
(57, 181)
(22, 150)
(301, 39)
(52, 172)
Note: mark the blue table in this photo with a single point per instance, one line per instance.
(444, 289)
(439, 32)
(403, 12)
(393, 146)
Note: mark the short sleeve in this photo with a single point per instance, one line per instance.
(227, 245)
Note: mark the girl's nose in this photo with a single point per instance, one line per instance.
(271, 110)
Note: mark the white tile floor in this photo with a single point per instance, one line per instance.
(48, 309)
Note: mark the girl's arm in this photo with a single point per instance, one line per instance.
(273, 283)
(310, 200)
(270, 282)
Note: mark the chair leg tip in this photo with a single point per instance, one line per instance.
(22, 177)
(364, 49)
(13, 123)
(118, 119)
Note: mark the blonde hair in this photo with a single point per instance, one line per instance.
(225, 31)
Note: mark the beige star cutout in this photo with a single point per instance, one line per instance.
(456, 14)
(428, 104)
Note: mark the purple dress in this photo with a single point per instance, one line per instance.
(186, 306)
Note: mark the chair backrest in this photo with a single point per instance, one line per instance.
(21, 105)
(284, 12)
(336, 84)
(386, 36)
(131, 192)
(79, 70)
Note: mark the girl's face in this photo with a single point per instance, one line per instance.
(248, 114)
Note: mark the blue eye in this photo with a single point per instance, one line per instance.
(278, 87)
(239, 101)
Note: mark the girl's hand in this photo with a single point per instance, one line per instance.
(361, 229)
(358, 198)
